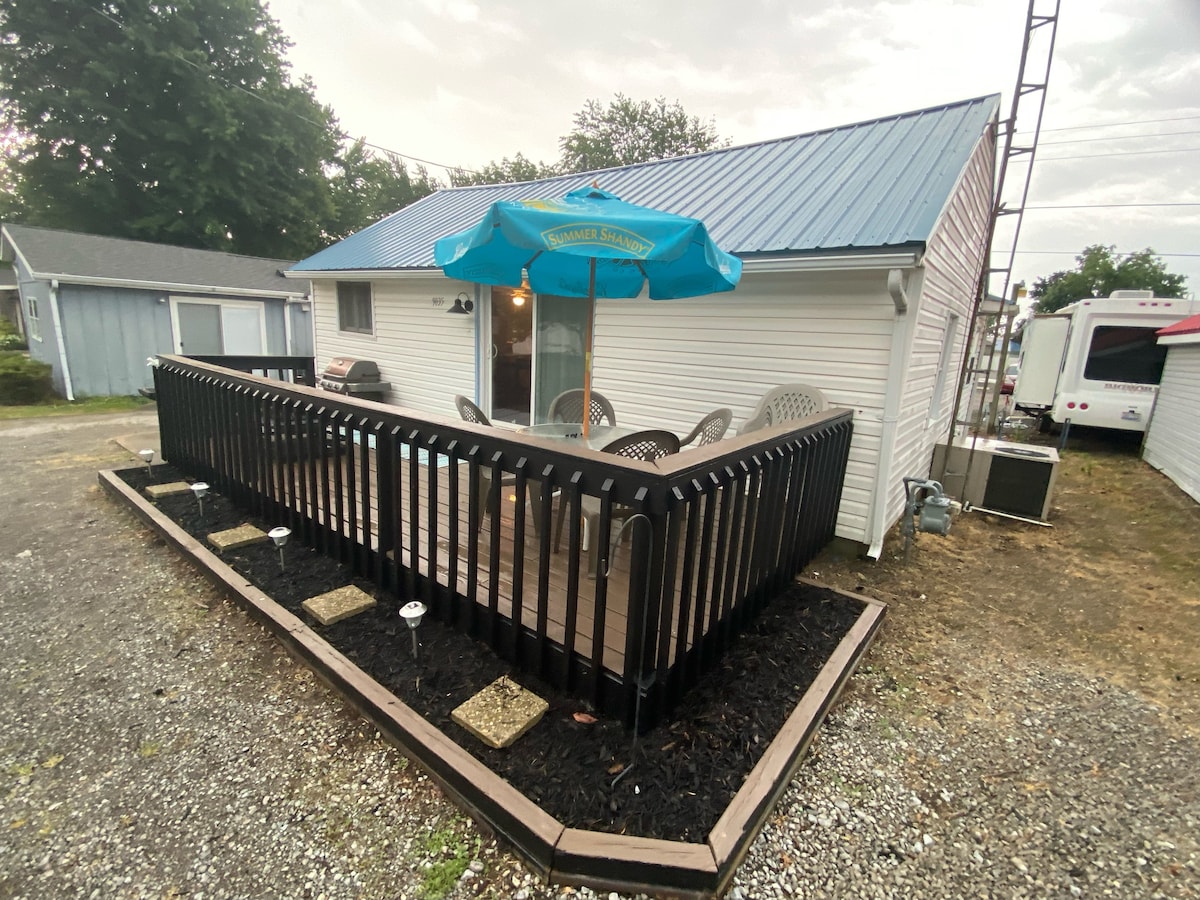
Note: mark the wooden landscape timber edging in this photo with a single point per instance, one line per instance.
(597, 860)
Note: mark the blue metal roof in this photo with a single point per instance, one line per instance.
(874, 184)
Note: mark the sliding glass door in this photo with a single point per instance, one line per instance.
(536, 353)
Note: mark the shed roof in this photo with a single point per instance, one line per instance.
(871, 185)
(1187, 326)
(91, 258)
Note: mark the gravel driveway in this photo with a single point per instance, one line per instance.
(155, 743)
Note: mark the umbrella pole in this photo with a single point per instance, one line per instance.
(587, 348)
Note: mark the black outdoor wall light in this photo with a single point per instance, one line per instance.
(463, 305)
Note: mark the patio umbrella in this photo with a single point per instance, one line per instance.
(589, 244)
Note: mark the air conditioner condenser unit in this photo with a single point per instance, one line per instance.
(1017, 479)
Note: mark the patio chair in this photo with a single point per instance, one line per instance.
(472, 413)
(646, 445)
(568, 407)
(785, 403)
(709, 429)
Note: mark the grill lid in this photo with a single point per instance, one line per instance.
(351, 370)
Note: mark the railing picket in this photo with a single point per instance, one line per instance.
(432, 594)
(414, 515)
(452, 505)
(474, 518)
(543, 521)
(569, 501)
(600, 614)
(518, 556)
(366, 434)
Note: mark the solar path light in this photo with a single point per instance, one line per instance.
(147, 457)
(200, 489)
(280, 536)
(412, 613)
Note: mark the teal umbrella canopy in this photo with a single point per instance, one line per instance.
(557, 242)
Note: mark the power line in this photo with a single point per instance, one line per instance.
(1111, 205)
(342, 135)
(1120, 124)
(1077, 253)
(1110, 155)
(1119, 137)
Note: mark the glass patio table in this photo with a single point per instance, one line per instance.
(599, 436)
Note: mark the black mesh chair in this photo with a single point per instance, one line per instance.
(488, 491)
(645, 445)
(710, 429)
(568, 407)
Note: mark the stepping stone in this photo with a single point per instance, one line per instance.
(154, 491)
(242, 536)
(500, 713)
(338, 604)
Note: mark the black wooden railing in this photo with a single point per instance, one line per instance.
(729, 525)
(293, 369)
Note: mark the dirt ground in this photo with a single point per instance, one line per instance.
(1113, 588)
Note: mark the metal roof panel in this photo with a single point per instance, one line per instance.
(874, 184)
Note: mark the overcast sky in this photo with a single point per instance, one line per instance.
(456, 82)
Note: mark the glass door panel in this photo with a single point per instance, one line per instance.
(561, 326)
(512, 357)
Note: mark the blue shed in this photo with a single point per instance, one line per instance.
(95, 307)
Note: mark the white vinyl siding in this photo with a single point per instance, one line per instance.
(426, 355)
(947, 288)
(664, 364)
(1173, 440)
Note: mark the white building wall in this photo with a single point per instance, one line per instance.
(1173, 440)
(946, 287)
(427, 355)
(664, 364)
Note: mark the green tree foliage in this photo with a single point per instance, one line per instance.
(627, 131)
(168, 122)
(506, 171)
(1100, 271)
(366, 187)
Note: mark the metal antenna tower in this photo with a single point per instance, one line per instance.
(982, 375)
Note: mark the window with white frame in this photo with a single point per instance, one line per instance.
(355, 311)
(938, 403)
(33, 322)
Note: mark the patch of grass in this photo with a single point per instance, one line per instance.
(85, 406)
(20, 770)
(451, 854)
(148, 749)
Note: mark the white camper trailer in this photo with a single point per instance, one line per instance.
(1097, 362)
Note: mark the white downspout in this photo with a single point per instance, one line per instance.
(60, 340)
(891, 409)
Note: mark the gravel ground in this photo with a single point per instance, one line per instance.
(156, 743)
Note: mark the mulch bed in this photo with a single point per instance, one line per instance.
(685, 770)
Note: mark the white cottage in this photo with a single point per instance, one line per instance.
(862, 248)
(1172, 440)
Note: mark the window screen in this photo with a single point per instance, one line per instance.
(1125, 354)
(354, 307)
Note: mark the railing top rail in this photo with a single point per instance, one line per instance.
(659, 476)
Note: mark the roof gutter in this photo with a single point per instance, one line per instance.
(823, 263)
(168, 286)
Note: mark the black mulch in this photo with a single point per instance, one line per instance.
(685, 771)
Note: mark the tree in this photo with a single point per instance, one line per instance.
(169, 122)
(1099, 272)
(629, 132)
(367, 187)
(506, 171)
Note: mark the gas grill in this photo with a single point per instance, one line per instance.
(356, 377)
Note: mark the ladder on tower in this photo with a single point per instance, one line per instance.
(978, 404)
